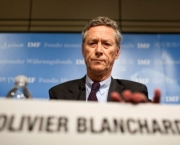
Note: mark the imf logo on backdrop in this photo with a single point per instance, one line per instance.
(12, 79)
(34, 44)
(171, 99)
(143, 45)
(144, 61)
(80, 62)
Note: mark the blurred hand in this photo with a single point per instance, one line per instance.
(135, 98)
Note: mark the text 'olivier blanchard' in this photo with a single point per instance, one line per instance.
(55, 124)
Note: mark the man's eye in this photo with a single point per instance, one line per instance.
(92, 43)
(107, 44)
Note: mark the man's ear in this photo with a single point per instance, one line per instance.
(117, 52)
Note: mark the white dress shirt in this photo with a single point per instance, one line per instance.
(102, 93)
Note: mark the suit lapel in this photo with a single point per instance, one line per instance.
(77, 90)
(114, 87)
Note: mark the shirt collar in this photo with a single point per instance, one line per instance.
(104, 85)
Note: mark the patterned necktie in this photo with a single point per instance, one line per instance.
(94, 89)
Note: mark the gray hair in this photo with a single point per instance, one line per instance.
(103, 21)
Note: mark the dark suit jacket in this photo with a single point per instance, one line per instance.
(75, 89)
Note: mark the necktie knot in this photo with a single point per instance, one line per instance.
(95, 86)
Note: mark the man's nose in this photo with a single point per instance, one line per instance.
(99, 49)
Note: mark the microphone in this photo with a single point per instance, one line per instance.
(81, 88)
(20, 90)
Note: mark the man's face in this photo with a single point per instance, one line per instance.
(100, 49)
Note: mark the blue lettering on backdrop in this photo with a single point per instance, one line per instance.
(48, 59)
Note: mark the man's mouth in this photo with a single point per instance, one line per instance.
(97, 60)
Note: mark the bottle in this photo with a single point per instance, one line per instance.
(20, 90)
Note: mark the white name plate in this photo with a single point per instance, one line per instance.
(38, 122)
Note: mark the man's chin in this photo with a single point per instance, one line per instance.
(97, 70)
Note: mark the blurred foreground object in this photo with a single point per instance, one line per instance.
(20, 90)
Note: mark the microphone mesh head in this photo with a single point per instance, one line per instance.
(21, 80)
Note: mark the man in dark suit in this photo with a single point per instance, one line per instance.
(100, 48)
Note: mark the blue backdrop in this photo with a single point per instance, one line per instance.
(48, 59)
